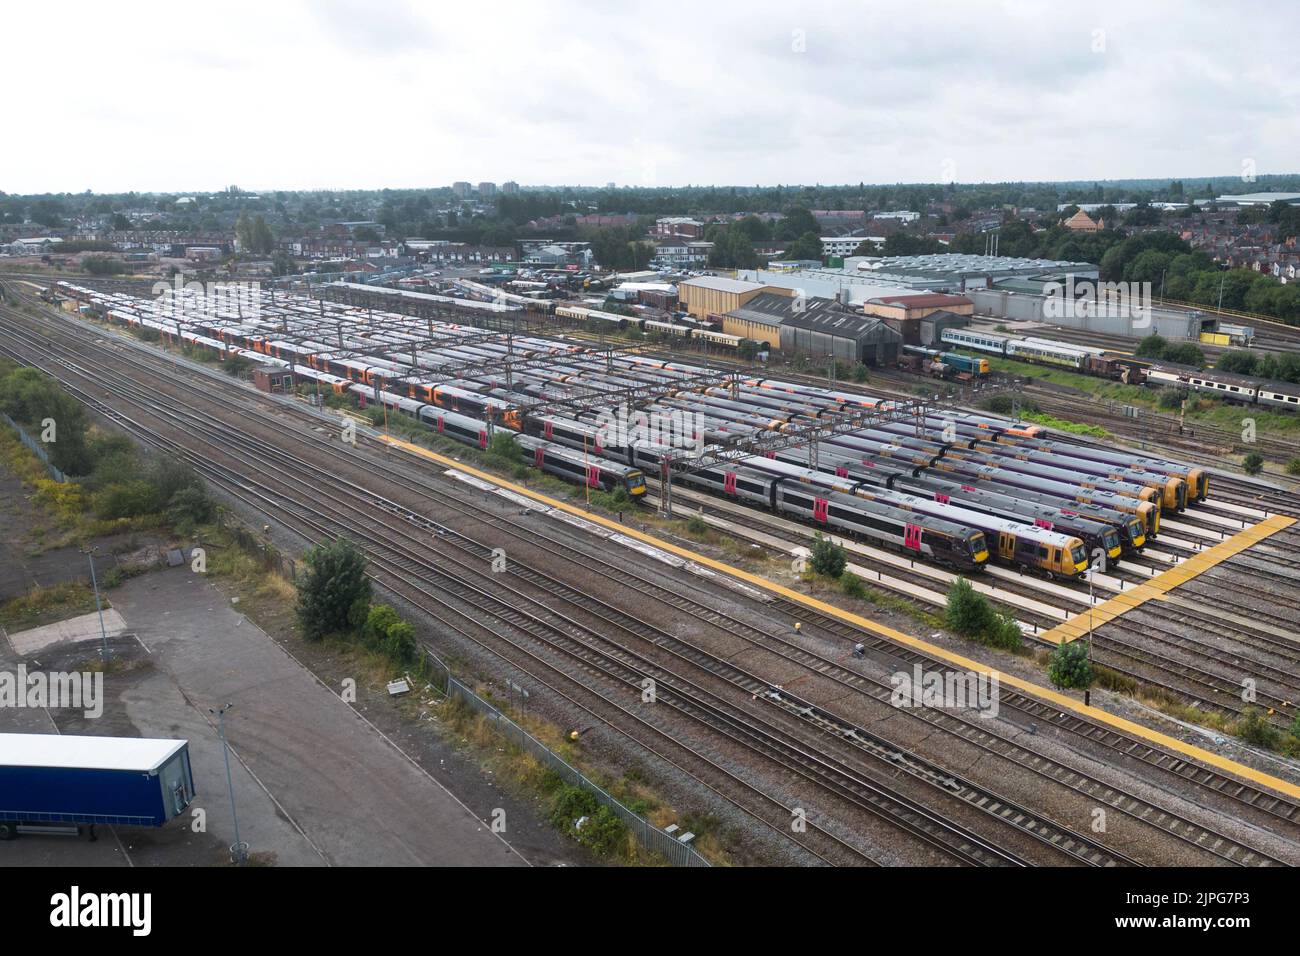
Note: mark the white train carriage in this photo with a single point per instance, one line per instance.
(1045, 353)
(980, 341)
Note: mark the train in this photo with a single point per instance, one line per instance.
(680, 327)
(773, 483)
(1234, 388)
(594, 471)
(912, 483)
(1128, 369)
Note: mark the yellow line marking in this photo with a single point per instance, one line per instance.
(1046, 694)
(1157, 588)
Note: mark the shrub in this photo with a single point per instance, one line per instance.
(603, 832)
(1153, 346)
(334, 592)
(828, 558)
(1185, 354)
(1253, 463)
(970, 614)
(129, 499)
(1254, 728)
(399, 646)
(191, 506)
(853, 586)
(697, 526)
(1237, 362)
(1293, 466)
(967, 612)
(1069, 666)
(502, 447)
(1170, 399)
(379, 620)
(1003, 632)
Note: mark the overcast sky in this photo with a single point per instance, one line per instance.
(171, 96)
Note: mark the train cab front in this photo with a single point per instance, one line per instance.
(1111, 543)
(1198, 483)
(1137, 537)
(635, 484)
(1174, 497)
(1078, 560)
(978, 548)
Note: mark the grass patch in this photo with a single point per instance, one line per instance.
(1060, 424)
(46, 605)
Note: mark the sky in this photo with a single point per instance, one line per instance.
(294, 94)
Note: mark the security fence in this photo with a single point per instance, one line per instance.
(36, 447)
(647, 834)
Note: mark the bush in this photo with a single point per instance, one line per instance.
(334, 592)
(1293, 466)
(1069, 666)
(1170, 399)
(967, 612)
(603, 832)
(1254, 728)
(697, 526)
(828, 558)
(1185, 354)
(502, 447)
(853, 586)
(1153, 346)
(399, 646)
(970, 614)
(1238, 363)
(191, 506)
(379, 620)
(1253, 463)
(129, 499)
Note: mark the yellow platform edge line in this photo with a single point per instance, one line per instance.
(1167, 580)
(1045, 694)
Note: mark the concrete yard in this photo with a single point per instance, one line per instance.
(315, 783)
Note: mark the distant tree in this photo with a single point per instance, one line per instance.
(807, 246)
(797, 222)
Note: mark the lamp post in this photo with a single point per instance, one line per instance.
(238, 852)
(99, 607)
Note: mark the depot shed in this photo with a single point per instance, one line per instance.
(847, 336)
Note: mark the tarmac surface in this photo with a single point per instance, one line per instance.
(315, 782)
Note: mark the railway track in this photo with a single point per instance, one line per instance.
(408, 569)
(407, 563)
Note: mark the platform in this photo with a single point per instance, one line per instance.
(1048, 694)
(1164, 582)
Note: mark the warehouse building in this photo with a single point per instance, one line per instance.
(760, 317)
(917, 306)
(817, 327)
(1104, 317)
(845, 336)
(715, 295)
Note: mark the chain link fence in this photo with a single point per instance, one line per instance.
(36, 448)
(654, 840)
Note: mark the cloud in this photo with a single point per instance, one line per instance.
(338, 93)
